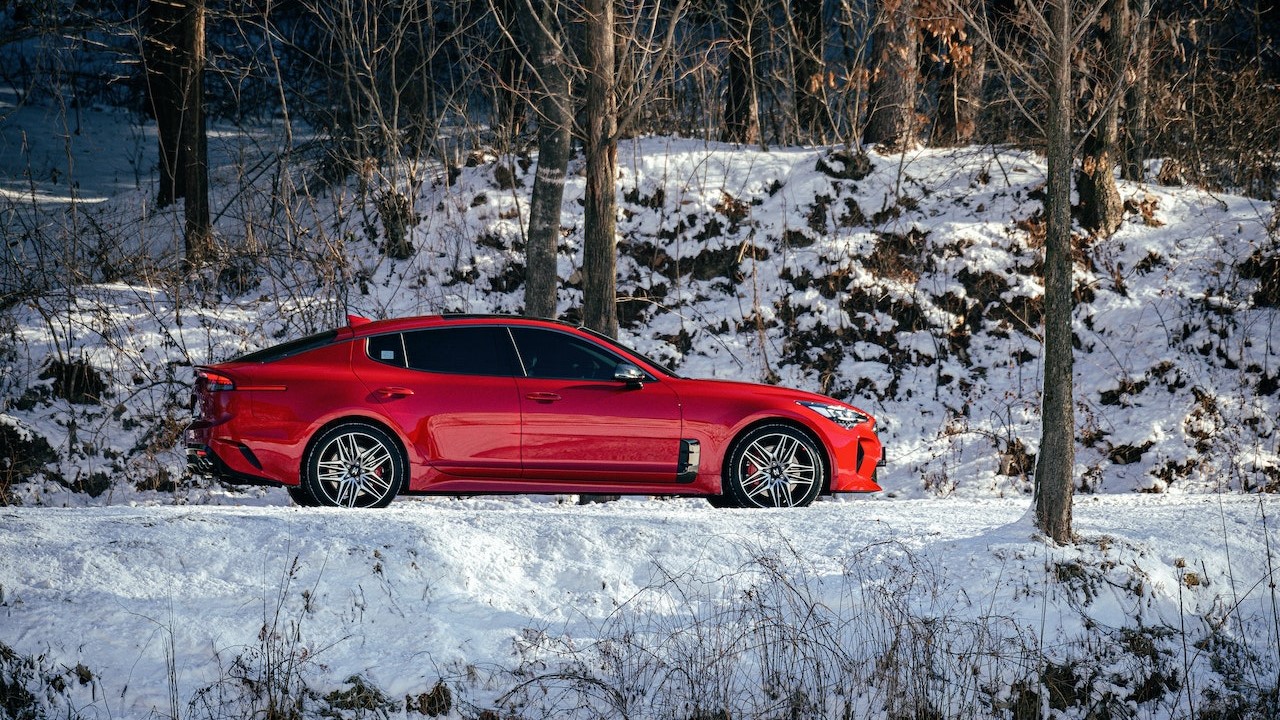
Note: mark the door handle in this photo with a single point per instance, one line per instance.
(388, 393)
(543, 397)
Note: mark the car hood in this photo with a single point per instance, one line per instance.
(762, 390)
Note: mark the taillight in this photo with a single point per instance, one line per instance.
(214, 382)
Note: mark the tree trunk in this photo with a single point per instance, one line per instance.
(1101, 210)
(895, 73)
(1055, 463)
(194, 155)
(1135, 122)
(809, 70)
(600, 245)
(162, 57)
(599, 261)
(550, 84)
(741, 109)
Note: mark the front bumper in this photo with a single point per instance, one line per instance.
(857, 461)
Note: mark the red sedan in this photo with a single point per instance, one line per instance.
(481, 404)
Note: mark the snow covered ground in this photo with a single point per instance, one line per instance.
(129, 590)
(648, 608)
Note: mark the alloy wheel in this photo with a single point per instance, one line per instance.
(775, 466)
(354, 466)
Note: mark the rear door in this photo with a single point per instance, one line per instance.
(581, 424)
(453, 393)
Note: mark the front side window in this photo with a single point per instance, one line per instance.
(480, 350)
(551, 354)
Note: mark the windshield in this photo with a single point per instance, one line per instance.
(632, 351)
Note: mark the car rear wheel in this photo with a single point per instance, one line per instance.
(354, 465)
(300, 496)
(774, 466)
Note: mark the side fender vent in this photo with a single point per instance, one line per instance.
(690, 457)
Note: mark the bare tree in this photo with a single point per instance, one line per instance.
(1136, 98)
(1215, 100)
(959, 57)
(600, 139)
(741, 105)
(894, 76)
(853, 25)
(540, 29)
(173, 53)
(1101, 210)
(194, 148)
(1055, 463)
(509, 101)
(636, 46)
(809, 69)
(162, 58)
(647, 33)
(379, 102)
(1036, 54)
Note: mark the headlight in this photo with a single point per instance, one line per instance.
(844, 416)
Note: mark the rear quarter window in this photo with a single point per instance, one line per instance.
(387, 349)
(479, 350)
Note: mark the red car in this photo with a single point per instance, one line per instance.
(480, 404)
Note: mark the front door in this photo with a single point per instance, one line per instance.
(581, 424)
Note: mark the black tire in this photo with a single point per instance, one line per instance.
(720, 501)
(354, 465)
(774, 466)
(300, 496)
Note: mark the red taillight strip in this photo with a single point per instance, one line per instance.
(214, 381)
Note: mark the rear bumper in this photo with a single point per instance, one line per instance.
(203, 461)
(230, 462)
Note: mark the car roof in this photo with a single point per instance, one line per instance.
(362, 327)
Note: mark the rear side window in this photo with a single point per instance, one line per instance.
(293, 347)
(387, 349)
(481, 350)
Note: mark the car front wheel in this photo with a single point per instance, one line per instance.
(774, 466)
(354, 465)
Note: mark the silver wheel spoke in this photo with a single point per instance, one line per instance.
(347, 450)
(782, 496)
(374, 457)
(327, 468)
(371, 482)
(757, 455)
(761, 488)
(785, 451)
(347, 492)
(803, 472)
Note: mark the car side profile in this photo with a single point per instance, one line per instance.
(464, 404)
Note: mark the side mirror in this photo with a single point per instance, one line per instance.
(630, 374)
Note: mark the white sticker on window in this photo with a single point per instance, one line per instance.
(388, 355)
